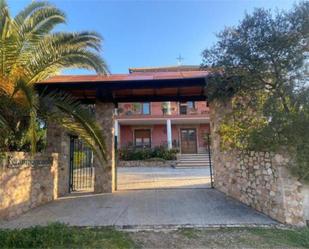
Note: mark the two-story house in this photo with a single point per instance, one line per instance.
(182, 125)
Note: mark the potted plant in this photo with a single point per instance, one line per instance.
(165, 107)
(137, 108)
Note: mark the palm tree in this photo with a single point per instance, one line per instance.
(30, 52)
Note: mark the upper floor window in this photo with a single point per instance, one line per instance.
(191, 104)
(141, 108)
(146, 108)
(184, 107)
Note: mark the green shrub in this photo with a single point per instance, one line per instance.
(164, 153)
(130, 153)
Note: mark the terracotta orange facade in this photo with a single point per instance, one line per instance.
(182, 125)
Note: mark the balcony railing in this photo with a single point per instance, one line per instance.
(190, 112)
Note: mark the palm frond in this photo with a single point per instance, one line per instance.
(74, 127)
(46, 64)
(4, 123)
(73, 116)
(28, 30)
(42, 21)
(33, 6)
(29, 53)
(27, 95)
(4, 18)
(83, 39)
(5, 27)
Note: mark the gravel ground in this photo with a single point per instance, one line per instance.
(216, 238)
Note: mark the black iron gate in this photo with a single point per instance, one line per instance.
(81, 166)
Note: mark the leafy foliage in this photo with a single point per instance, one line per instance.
(132, 153)
(30, 52)
(262, 65)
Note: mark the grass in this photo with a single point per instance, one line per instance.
(289, 237)
(189, 233)
(254, 237)
(61, 236)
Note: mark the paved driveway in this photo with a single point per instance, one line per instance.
(162, 177)
(144, 208)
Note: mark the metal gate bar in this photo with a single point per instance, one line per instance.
(81, 166)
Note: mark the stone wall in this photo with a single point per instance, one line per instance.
(145, 163)
(24, 186)
(305, 192)
(258, 179)
(58, 141)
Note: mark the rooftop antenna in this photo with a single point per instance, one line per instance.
(179, 60)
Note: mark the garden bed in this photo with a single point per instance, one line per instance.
(158, 153)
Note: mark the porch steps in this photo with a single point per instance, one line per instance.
(192, 161)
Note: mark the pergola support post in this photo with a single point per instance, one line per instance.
(105, 172)
(169, 133)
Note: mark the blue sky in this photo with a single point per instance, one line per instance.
(153, 33)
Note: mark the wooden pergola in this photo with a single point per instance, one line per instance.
(135, 87)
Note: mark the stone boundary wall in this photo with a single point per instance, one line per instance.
(58, 141)
(261, 180)
(26, 182)
(258, 179)
(305, 192)
(145, 163)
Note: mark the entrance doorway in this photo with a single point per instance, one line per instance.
(188, 141)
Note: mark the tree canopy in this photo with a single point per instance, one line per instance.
(31, 51)
(262, 65)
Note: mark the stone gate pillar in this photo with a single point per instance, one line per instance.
(105, 174)
(58, 141)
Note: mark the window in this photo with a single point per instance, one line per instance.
(146, 108)
(142, 138)
(141, 108)
(191, 104)
(184, 107)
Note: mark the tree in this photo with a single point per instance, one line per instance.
(262, 64)
(30, 52)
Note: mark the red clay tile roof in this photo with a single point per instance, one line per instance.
(166, 69)
(126, 77)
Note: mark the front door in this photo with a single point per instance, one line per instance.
(188, 141)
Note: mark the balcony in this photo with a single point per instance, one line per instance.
(133, 109)
(147, 110)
